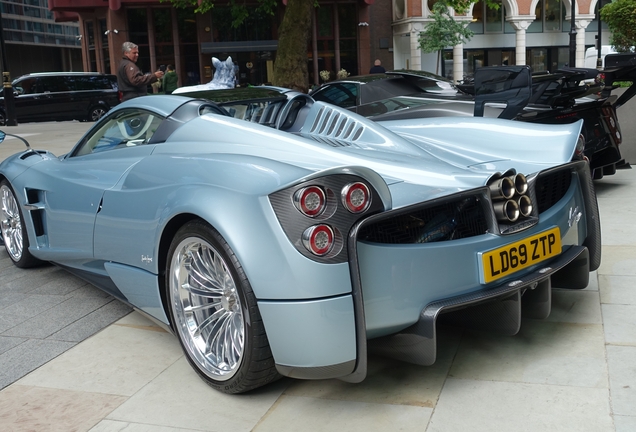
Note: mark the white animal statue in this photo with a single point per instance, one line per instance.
(224, 78)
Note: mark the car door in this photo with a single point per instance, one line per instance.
(72, 187)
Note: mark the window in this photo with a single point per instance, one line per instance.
(94, 82)
(477, 23)
(52, 84)
(26, 86)
(343, 95)
(494, 18)
(552, 15)
(128, 128)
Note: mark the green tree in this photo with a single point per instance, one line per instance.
(290, 67)
(444, 31)
(620, 16)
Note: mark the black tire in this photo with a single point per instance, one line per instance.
(97, 112)
(218, 324)
(14, 233)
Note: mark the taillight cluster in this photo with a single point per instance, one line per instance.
(311, 201)
(580, 148)
(612, 124)
(318, 215)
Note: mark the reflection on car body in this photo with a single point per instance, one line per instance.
(297, 242)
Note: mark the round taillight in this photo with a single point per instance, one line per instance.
(310, 201)
(318, 239)
(356, 197)
(580, 145)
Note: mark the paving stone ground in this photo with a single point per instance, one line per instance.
(46, 311)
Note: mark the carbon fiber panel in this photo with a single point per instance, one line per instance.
(323, 372)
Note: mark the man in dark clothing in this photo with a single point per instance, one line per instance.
(131, 82)
(377, 67)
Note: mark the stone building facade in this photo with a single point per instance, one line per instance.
(532, 32)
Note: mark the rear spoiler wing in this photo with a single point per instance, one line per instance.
(516, 87)
(620, 67)
(511, 85)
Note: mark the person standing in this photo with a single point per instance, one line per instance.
(130, 80)
(170, 79)
(377, 67)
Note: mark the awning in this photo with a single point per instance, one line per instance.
(244, 46)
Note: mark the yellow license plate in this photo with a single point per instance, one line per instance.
(513, 257)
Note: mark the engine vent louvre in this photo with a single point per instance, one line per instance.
(336, 126)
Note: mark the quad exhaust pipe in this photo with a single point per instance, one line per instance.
(507, 211)
(510, 201)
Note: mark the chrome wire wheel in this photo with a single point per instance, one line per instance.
(11, 223)
(207, 308)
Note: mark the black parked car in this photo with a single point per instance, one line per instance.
(57, 96)
(560, 97)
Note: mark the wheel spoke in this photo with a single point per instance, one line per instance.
(215, 319)
(204, 274)
(201, 292)
(198, 308)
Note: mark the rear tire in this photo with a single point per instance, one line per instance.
(214, 312)
(14, 233)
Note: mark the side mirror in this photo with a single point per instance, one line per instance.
(2, 136)
(511, 85)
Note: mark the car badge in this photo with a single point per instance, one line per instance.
(146, 259)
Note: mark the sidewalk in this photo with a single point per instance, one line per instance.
(575, 371)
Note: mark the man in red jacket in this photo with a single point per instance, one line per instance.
(130, 80)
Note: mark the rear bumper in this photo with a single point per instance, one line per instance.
(498, 309)
(327, 337)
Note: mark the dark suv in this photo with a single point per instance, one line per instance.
(55, 96)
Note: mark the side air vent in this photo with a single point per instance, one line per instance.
(451, 220)
(551, 187)
(29, 153)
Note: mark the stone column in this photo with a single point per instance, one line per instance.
(416, 51)
(520, 24)
(458, 51)
(458, 63)
(581, 21)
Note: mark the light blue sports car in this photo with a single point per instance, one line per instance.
(297, 244)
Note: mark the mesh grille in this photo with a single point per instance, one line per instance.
(551, 187)
(447, 221)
